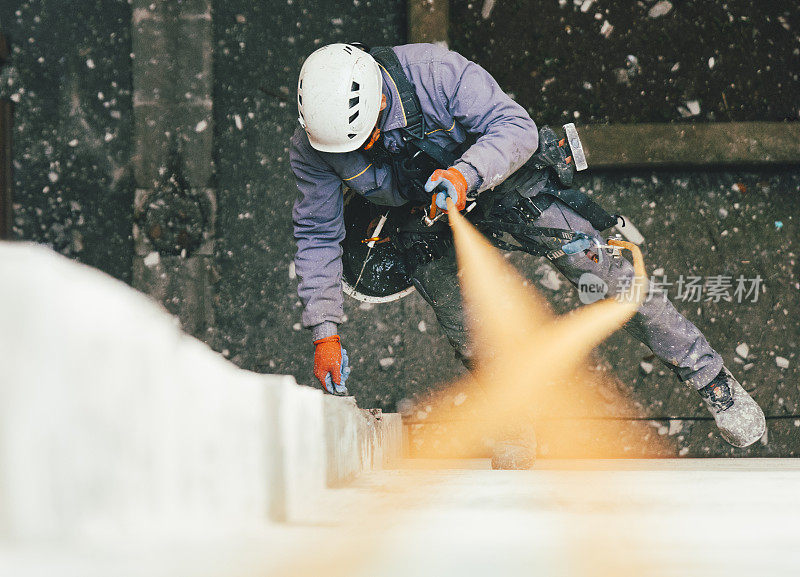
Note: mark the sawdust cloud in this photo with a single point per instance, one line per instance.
(530, 366)
(531, 363)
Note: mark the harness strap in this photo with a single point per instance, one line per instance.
(414, 130)
(525, 235)
(584, 206)
(442, 156)
(415, 124)
(519, 229)
(529, 248)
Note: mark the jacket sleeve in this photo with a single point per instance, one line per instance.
(318, 217)
(506, 135)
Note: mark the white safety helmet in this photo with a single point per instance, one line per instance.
(339, 97)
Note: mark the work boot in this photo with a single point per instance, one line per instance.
(739, 418)
(516, 449)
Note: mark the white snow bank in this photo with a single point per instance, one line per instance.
(112, 421)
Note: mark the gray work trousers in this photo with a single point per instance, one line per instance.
(674, 339)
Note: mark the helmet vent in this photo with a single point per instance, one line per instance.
(300, 99)
(353, 101)
(354, 87)
(348, 49)
(351, 136)
(353, 117)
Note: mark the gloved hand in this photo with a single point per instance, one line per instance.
(331, 365)
(453, 184)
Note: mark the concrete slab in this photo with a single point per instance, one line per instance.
(114, 422)
(358, 440)
(705, 517)
(300, 452)
(670, 517)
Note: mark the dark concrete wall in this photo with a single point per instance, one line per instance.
(71, 82)
(701, 222)
(679, 213)
(621, 61)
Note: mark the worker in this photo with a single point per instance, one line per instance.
(413, 125)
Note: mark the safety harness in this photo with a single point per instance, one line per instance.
(414, 130)
(534, 184)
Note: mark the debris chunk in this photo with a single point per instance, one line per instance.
(622, 76)
(486, 11)
(549, 278)
(152, 259)
(660, 9)
(646, 367)
(782, 362)
(386, 362)
(405, 406)
(743, 350)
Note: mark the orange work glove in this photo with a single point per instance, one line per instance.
(450, 183)
(330, 365)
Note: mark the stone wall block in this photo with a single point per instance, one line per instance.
(155, 125)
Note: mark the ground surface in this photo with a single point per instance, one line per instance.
(736, 60)
(656, 517)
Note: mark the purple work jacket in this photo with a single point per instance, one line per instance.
(458, 98)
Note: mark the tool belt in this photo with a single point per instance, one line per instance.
(506, 211)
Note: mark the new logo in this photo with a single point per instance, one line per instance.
(591, 288)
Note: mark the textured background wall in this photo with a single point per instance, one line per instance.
(73, 150)
(70, 78)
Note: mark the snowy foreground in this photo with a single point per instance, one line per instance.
(669, 517)
(130, 449)
(119, 434)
